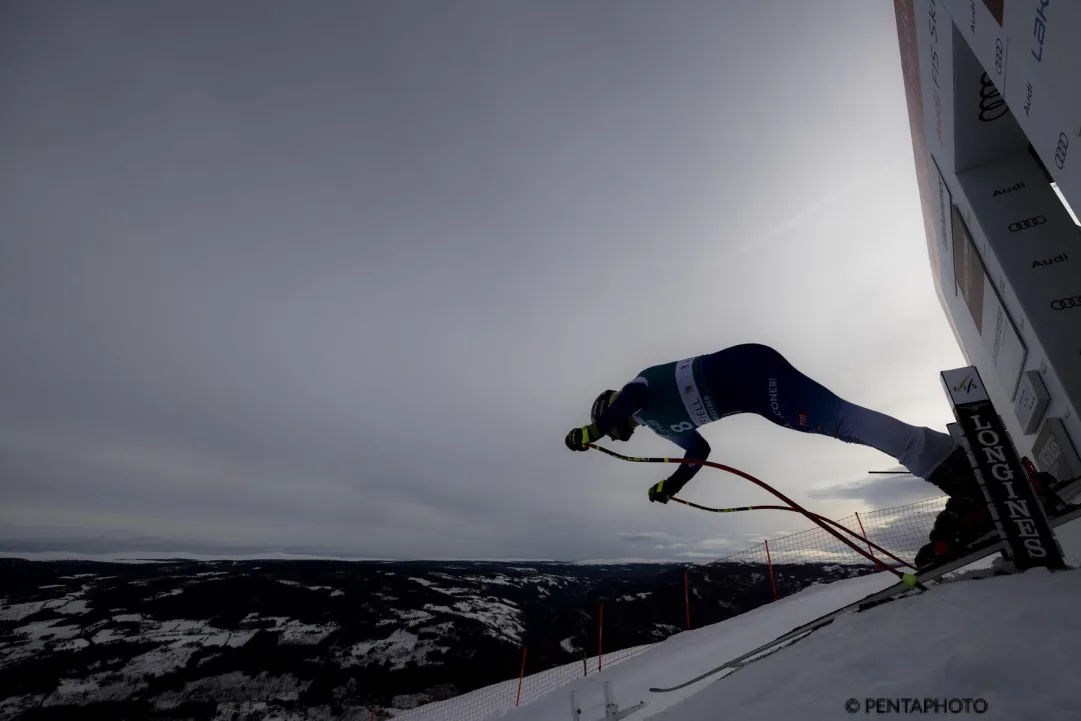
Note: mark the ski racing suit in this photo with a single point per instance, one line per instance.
(675, 399)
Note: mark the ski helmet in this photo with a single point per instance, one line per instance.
(601, 404)
(620, 431)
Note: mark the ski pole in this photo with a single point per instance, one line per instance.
(909, 580)
(789, 508)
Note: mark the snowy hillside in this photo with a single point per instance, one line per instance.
(285, 640)
(1010, 645)
(253, 640)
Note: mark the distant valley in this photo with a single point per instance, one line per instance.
(236, 640)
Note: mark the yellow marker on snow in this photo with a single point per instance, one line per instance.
(909, 580)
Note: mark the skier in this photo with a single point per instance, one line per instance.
(674, 399)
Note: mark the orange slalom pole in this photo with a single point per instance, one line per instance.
(521, 674)
(864, 534)
(600, 634)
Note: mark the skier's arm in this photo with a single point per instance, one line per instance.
(697, 448)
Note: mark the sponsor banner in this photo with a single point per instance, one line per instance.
(1030, 242)
(978, 24)
(1017, 512)
(1054, 451)
(942, 204)
(936, 36)
(1044, 93)
(963, 385)
(1032, 401)
(984, 126)
(1041, 90)
(997, 330)
(1055, 140)
(911, 37)
(1045, 52)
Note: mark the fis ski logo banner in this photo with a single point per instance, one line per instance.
(967, 385)
(963, 385)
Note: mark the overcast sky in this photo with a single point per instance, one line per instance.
(337, 277)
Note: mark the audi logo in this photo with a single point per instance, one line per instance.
(1064, 303)
(992, 106)
(1060, 151)
(1027, 223)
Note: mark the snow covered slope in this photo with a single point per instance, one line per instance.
(1010, 645)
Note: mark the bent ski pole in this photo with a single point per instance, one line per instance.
(844, 528)
(909, 579)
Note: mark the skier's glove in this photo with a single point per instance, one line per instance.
(660, 494)
(578, 438)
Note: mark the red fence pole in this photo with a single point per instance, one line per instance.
(878, 564)
(771, 581)
(520, 675)
(600, 633)
(687, 597)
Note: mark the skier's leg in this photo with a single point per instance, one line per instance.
(806, 405)
(775, 389)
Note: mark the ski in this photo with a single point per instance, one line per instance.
(981, 551)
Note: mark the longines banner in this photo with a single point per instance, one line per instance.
(1019, 516)
(996, 328)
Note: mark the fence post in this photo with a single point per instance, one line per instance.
(878, 564)
(687, 597)
(600, 634)
(585, 668)
(772, 582)
(521, 674)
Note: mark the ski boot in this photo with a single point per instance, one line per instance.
(965, 518)
(963, 521)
